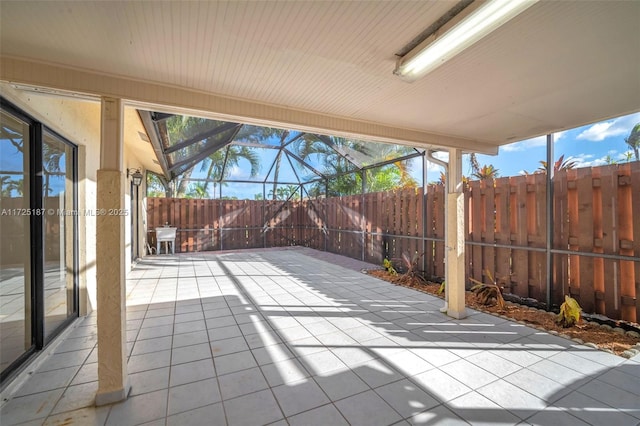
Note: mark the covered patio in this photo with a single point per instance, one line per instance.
(301, 337)
(285, 336)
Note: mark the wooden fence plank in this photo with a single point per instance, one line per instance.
(609, 282)
(588, 208)
(625, 242)
(635, 185)
(595, 210)
(536, 234)
(476, 210)
(503, 233)
(415, 217)
(438, 212)
(421, 245)
(428, 204)
(518, 210)
(488, 227)
(560, 237)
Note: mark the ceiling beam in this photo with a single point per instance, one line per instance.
(180, 100)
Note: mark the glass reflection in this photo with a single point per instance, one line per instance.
(58, 202)
(15, 258)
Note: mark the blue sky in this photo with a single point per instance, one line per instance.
(588, 146)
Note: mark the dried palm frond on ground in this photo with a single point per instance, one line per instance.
(488, 293)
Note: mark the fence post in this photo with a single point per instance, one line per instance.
(550, 224)
(220, 214)
(362, 215)
(423, 201)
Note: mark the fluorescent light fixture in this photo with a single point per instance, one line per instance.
(472, 24)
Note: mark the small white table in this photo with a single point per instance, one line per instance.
(166, 235)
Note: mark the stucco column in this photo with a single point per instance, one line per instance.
(113, 383)
(454, 238)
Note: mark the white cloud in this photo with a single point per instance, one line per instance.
(236, 172)
(441, 155)
(435, 168)
(531, 143)
(587, 160)
(606, 129)
(524, 145)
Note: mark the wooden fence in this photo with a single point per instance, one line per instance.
(596, 221)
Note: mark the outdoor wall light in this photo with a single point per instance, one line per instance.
(135, 175)
(463, 30)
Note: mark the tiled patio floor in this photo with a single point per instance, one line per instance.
(303, 338)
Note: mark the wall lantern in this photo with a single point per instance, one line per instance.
(135, 175)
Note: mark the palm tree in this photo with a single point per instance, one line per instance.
(52, 157)
(393, 175)
(218, 165)
(633, 140)
(180, 128)
(330, 152)
(5, 186)
(282, 134)
(284, 193)
(156, 185)
(473, 161)
(198, 190)
(17, 186)
(560, 164)
(333, 153)
(486, 172)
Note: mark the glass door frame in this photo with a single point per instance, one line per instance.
(43, 338)
(37, 235)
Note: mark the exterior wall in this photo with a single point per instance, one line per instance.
(79, 121)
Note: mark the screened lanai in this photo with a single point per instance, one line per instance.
(219, 157)
(326, 68)
(229, 185)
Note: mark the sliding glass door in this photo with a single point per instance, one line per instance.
(38, 220)
(15, 248)
(58, 197)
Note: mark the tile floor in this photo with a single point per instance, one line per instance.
(299, 337)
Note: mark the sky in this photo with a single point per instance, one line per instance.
(588, 146)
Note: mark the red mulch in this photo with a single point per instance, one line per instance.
(586, 331)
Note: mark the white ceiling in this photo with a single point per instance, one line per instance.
(558, 65)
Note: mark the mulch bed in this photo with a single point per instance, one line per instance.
(604, 337)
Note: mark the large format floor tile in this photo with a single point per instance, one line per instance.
(301, 337)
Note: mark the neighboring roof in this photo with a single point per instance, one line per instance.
(326, 66)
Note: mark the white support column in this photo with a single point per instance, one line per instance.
(454, 238)
(113, 383)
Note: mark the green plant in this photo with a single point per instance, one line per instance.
(411, 264)
(388, 266)
(486, 293)
(442, 287)
(569, 312)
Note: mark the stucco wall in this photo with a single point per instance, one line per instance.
(79, 122)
